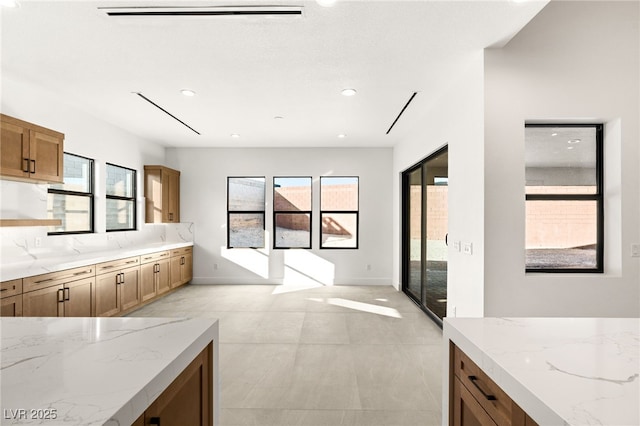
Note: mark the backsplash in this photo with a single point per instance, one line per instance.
(24, 244)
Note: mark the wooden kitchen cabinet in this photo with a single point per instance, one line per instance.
(181, 266)
(187, 401)
(72, 299)
(475, 399)
(154, 275)
(117, 286)
(11, 298)
(29, 152)
(67, 293)
(162, 194)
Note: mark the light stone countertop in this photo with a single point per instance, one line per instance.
(54, 263)
(560, 371)
(95, 371)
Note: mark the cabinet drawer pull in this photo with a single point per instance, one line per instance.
(60, 295)
(108, 266)
(26, 165)
(83, 272)
(33, 163)
(154, 421)
(4, 289)
(132, 261)
(67, 293)
(44, 281)
(473, 380)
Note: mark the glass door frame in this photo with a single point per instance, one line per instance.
(405, 255)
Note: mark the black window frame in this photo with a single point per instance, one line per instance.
(134, 193)
(356, 212)
(90, 195)
(598, 197)
(260, 212)
(299, 212)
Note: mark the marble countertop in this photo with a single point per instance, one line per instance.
(94, 371)
(561, 371)
(54, 263)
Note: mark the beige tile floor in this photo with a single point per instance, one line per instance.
(343, 355)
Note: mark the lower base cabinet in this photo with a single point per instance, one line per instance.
(11, 306)
(188, 400)
(73, 299)
(476, 400)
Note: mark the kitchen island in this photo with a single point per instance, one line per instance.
(559, 371)
(104, 371)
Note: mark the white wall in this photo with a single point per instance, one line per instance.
(204, 175)
(85, 135)
(574, 62)
(457, 120)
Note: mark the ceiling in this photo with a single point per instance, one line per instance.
(248, 70)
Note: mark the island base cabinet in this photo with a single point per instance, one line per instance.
(475, 399)
(188, 401)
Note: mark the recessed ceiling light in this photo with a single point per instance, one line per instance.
(342, 136)
(235, 135)
(188, 92)
(573, 141)
(278, 117)
(9, 3)
(554, 134)
(569, 147)
(326, 3)
(348, 92)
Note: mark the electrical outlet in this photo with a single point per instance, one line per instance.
(368, 267)
(467, 248)
(215, 266)
(456, 245)
(38, 242)
(454, 311)
(635, 250)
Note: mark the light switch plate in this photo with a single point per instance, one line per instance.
(467, 248)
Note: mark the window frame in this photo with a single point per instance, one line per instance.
(90, 195)
(134, 192)
(356, 212)
(260, 212)
(598, 197)
(299, 212)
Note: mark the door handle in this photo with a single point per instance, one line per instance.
(33, 163)
(26, 165)
(446, 239)
(60, 295)
(67, 293)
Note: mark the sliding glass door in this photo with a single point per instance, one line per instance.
(424, 233)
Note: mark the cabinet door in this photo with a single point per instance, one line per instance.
(11, 306)
(163, 280)
(45, 157)
(187, 268)
(187, 401)
(148, 288)
(14, 150)
(78, 298)
(107, 294)
(466, 410)
(176, 271)
(130, 288)
(173, 196)
(46, 302)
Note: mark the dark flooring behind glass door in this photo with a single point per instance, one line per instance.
(424, 233)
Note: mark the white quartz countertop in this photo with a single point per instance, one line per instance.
(560, 371)
(93, 371)
(54, 263)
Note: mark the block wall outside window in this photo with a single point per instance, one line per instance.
(121, 198)
(339, 212)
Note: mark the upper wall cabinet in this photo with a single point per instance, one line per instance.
(162, 194)
(29, 152)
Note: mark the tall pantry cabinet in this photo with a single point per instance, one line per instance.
(162, 194)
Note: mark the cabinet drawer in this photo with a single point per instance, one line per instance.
(55, 278)
(114, 265)
(151, 257)
(181, 251)
(491, 397)
(11, 288)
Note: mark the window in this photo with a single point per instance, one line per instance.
(564, 200)
(72, 201)
(121, 198)
(245, 212)
(339, 212)
(292, 212)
